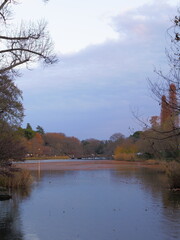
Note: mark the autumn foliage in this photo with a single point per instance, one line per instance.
(126, 151)
(169, 114)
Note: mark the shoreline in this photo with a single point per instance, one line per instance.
(82, 165)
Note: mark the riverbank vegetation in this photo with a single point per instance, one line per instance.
(172, 169)
(12, 178)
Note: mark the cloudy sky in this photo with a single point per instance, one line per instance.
(107, 49)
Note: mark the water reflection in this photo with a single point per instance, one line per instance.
(156, 183)
(9, 221)
(152, 181)
(10, 216)
(125, 204)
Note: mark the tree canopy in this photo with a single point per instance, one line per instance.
(11, 108)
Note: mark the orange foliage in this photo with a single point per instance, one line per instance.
(165, 112)
(154, 121)
(35, 145)
(126, 151)
(173, 104)
(169, 115)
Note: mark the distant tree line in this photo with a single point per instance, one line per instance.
(38, 143)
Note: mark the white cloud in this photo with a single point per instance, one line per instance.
(91, 93)
(145, 23)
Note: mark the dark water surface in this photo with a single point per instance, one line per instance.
(121, 204)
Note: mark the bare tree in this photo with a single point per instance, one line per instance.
(167, 88)
(117, 137)
(162, 137)
(25, 44)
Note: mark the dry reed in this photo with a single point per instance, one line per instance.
(15, 178)
(172, 170)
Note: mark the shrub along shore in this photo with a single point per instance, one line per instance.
(15, 178)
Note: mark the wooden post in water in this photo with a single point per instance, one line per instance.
(39, 169)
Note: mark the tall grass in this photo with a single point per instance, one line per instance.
(15, 178)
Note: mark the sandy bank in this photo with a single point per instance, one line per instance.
(81, 165)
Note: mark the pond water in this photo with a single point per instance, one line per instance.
(119, 204)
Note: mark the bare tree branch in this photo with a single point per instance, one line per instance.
(30, 43)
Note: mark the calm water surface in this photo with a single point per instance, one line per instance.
(121, 204)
